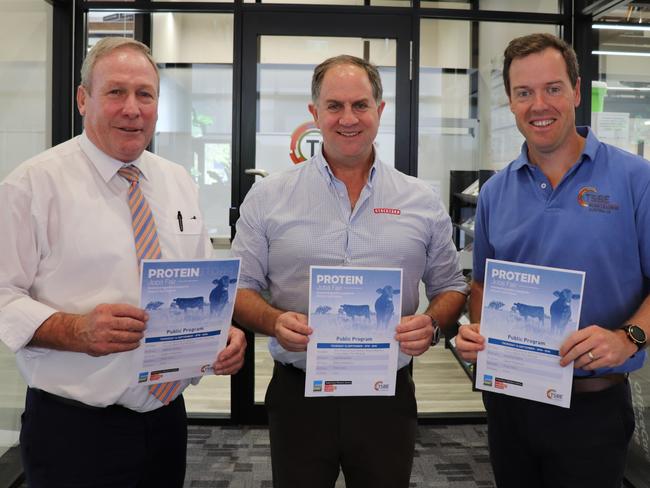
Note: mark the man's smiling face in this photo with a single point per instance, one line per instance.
(347, 115)
(120, 107)
(543, 101)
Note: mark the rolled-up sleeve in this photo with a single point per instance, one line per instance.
(20, 315)
(251, 244)
(442, 271)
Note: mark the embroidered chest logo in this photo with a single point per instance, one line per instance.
(383, 210)
(589, 198)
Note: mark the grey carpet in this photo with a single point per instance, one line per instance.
(452, 456)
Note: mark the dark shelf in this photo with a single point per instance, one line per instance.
(473, 199)
(466, 230)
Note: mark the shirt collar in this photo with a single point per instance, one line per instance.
(588, 151)
(106, 166)
(325, 170)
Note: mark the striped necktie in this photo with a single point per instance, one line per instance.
(147, 246)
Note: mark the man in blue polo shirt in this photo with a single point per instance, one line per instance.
(567, 201)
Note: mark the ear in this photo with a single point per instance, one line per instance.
(314, 113)
(576, 94)
(81, 100)
(380, 109)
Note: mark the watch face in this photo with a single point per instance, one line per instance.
(637, 334)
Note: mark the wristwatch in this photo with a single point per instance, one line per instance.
(436, 329)
(636, 334)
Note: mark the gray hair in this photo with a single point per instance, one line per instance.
(369, 68)
(106, 46)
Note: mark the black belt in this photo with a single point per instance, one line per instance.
(594, 384)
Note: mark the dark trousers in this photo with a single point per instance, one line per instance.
(372, 439)
(65, 445)
(536, 445)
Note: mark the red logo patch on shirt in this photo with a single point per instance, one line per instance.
(392, 211)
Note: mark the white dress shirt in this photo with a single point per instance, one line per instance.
(303, 217)
(67, 245)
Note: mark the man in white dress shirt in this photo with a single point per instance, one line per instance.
(69, 286)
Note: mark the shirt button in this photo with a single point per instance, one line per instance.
(543, 185)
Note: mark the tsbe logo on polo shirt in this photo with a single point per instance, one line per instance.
(589, 198)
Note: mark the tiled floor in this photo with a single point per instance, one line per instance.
(453, 456)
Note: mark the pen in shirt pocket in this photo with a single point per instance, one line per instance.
(179, 217)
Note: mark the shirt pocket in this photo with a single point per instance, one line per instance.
(180, 231)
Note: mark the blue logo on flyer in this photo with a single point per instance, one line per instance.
(318, 385)
(142, 377)
(487, 380)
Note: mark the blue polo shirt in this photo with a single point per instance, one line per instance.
(596, 220)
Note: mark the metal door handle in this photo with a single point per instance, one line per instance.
(257, 172)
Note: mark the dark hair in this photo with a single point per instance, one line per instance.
(369, 68)
(535, 43)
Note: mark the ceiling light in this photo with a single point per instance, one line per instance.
(626, 27)
(627, 88)
(621, 53)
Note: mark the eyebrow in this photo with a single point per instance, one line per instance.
(332, 100)
(527, 87)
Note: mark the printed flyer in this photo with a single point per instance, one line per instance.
(528, 312)
(190, 305)
(354, 312)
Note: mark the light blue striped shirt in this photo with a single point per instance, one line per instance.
(303, 217)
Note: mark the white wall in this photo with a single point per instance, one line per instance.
(25, 128)
(192, 38)
(25, 80)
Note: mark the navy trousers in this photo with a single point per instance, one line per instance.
(536, 445)
(65, 445)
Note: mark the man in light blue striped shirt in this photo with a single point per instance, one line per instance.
(343, 207)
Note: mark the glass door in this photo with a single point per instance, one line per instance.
(194, 52)
(280, 52)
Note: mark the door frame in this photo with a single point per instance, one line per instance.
(280, 22)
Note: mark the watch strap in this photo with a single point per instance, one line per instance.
(435, 338)
(636, 335)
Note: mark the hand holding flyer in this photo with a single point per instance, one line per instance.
(528, 312)
(354, 312)
(190, 305)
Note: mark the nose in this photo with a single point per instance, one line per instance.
(539, 101)
(348, 117)
(131, 107)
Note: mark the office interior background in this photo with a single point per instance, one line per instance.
(235, 80)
